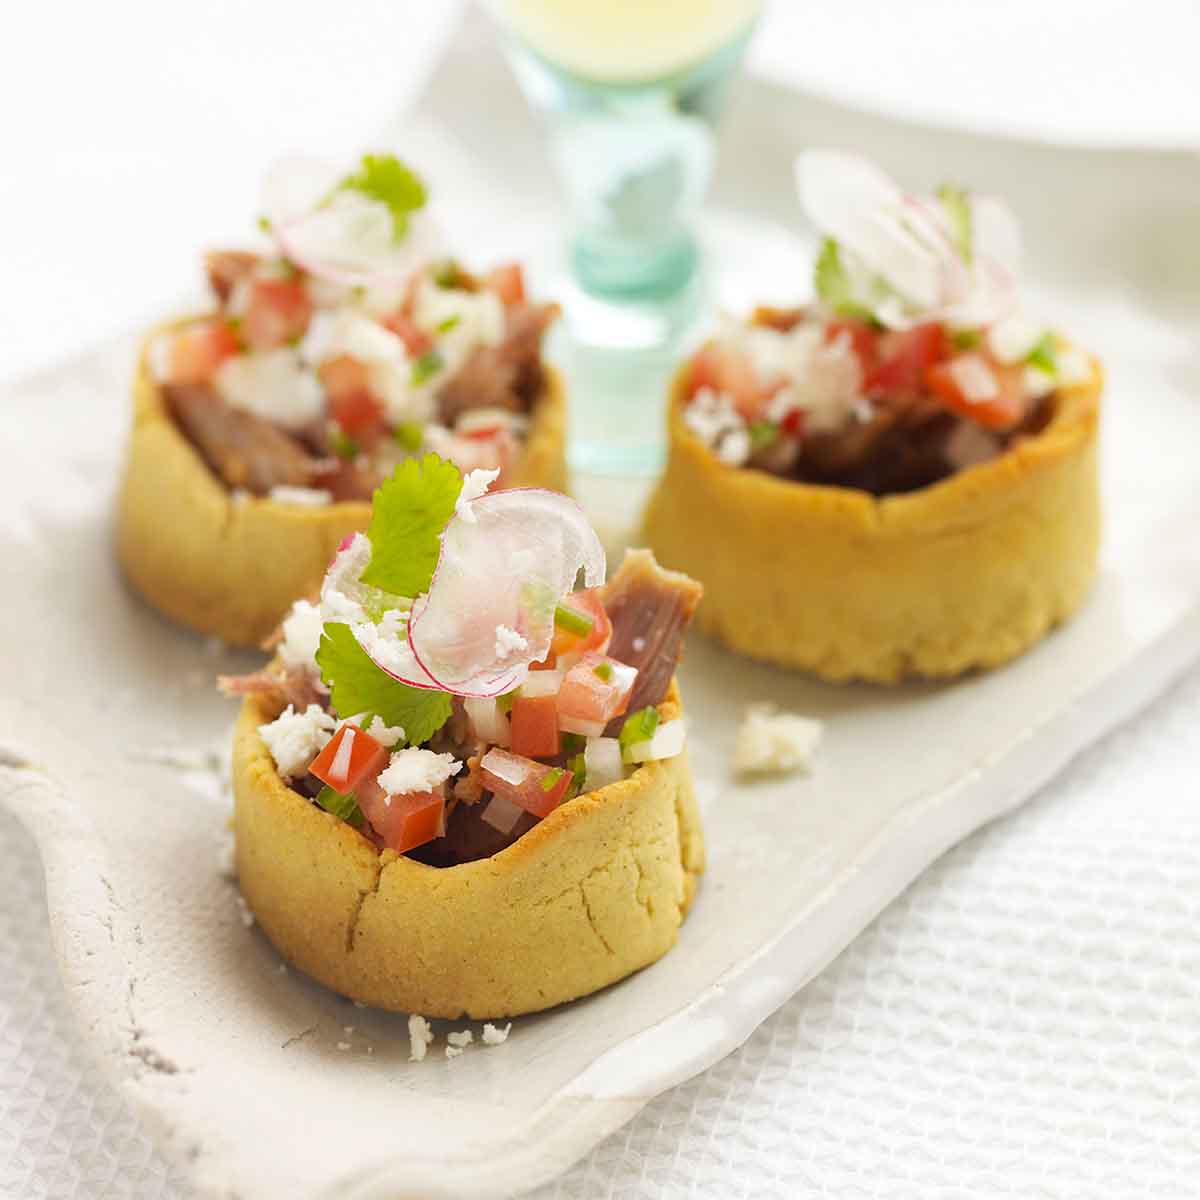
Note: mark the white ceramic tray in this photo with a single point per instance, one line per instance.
(111, 735)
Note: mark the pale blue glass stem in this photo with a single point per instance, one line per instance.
(635, 159)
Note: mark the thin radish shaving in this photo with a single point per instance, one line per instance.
(346, 600)
(341, 235)
(893, 242)
(506, 563)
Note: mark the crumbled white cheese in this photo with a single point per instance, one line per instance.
(1011, 339)
(493, 1035)
(226, 864)
(474, 485)
(282, 493)
(734, 448)
(420, 1037)
(1074, 366)
(773, 741)
(244, 912)
(343, 1046)
(295, 739)
(823, 379)
(416, 770)
(478, 319)
(453, 1051)
(710, 415)
(301, 635)
(274, 385)
(460, 1037)
(1038, 383)
(385, 735)
(345, 331)
(509, 641)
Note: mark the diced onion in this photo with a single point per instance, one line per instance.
(974, 379)
(1038, 383)
(1011, 339)
(666, 742)
(511, 769)
(589, 729)
(488, 723)
(541, 683)
(502, 814)
(602, 760)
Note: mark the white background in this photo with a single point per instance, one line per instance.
(1025, 1020)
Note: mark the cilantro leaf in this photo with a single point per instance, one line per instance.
(957, 207)
(410, 511)
(1044, 355)
(357, 685)
(385, 178)
(832, 283)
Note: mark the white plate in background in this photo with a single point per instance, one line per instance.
(1086, 73)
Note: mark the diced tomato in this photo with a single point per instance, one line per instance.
(195, 352)
(793, 423)
(594, 691)
(351, 756)
(359, 414)
(863, 339)
(416, 340)
(533, 786)
(508, 282)
(406, 821)
(346, 382)
(905, 356)
(342, 375)
(588, 604)
(535, 726)
(951, 382)
(277, 312)
(723, 369)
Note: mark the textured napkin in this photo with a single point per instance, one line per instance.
(1022, 1022)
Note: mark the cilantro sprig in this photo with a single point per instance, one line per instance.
(832, 283)
(957, 207)
(385, 178)
(357, 685)
(410, 511)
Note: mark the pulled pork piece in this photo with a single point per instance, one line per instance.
(225, 268)
(244, 450)
(294, 686)
(506, 376)
(650, 608)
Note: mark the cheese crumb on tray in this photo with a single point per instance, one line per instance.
(771, 742)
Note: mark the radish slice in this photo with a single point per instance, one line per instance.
(906, 242)
(341, 235)
(508, 567)
(346, 600)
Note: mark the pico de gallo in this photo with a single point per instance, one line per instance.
(452, 685)
(914, 361)
(350, 343)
